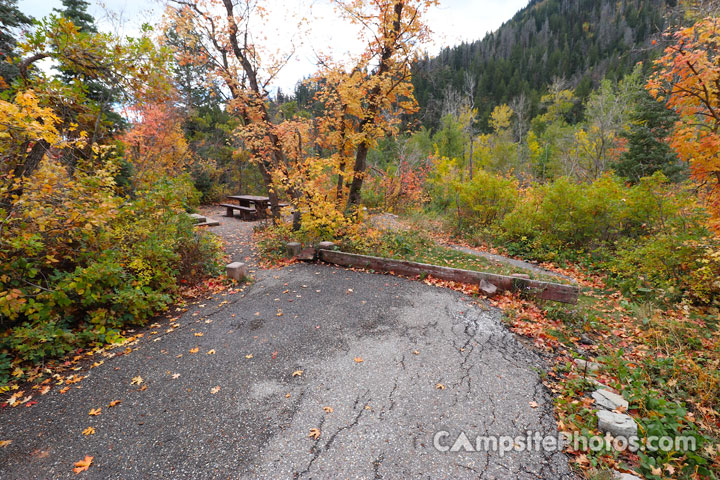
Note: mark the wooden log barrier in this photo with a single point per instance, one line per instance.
(546, 290)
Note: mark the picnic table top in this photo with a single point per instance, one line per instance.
(252, 198)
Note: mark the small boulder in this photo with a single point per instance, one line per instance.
(487, 288)
(326, 245)
(586, 366)
(237, 271)
(609, 400)
(624, 476)
(616, 424)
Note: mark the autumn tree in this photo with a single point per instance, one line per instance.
(360, 101)
(76, 12)
(156, 145)
(687, 78)
(370, 95)
(245, 68)
(600, 142)
(72, 121)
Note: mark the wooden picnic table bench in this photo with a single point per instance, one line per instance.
(246, 211)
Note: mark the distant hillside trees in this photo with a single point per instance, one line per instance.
(581, 41)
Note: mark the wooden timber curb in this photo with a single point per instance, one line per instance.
(546, 290)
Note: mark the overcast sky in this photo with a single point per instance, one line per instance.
(452, 22)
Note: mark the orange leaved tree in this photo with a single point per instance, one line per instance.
(687, 77)
(155, 145)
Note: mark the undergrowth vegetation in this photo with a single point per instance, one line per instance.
(651, 237)
(79, 264)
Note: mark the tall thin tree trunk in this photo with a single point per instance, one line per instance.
(470, 162)
(340, 182)
(358, 176)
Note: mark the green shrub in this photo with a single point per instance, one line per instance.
(79, 264)
(485, 200)
(650, 236)
(568, 214)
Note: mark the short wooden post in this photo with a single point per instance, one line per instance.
(237, 271)
(293, 249)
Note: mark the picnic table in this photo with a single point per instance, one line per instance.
(250, 206)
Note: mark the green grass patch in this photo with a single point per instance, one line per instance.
(416, 247)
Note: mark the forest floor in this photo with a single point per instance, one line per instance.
(309, 371)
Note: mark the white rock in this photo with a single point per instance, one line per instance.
(616, 424)
(609, 400)
(584, 365)
(326, 245)
(487, 288)
(624, 476)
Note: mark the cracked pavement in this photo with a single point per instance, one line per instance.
(411, 338)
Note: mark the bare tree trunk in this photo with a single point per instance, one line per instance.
(32, 161)
(359, 174)
(470, 161)
(373, 107)
(340, 182)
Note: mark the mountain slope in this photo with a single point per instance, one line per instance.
(580, 41)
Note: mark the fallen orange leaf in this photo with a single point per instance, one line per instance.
(89, 431)
(95, 411)
(114, 403)
(83, 464)
(314, 433)
(358, 359)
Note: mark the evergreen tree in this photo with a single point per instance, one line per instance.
(651, 123)
(76, 12)
(101, 94)
(11, 18)
(581, 41)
